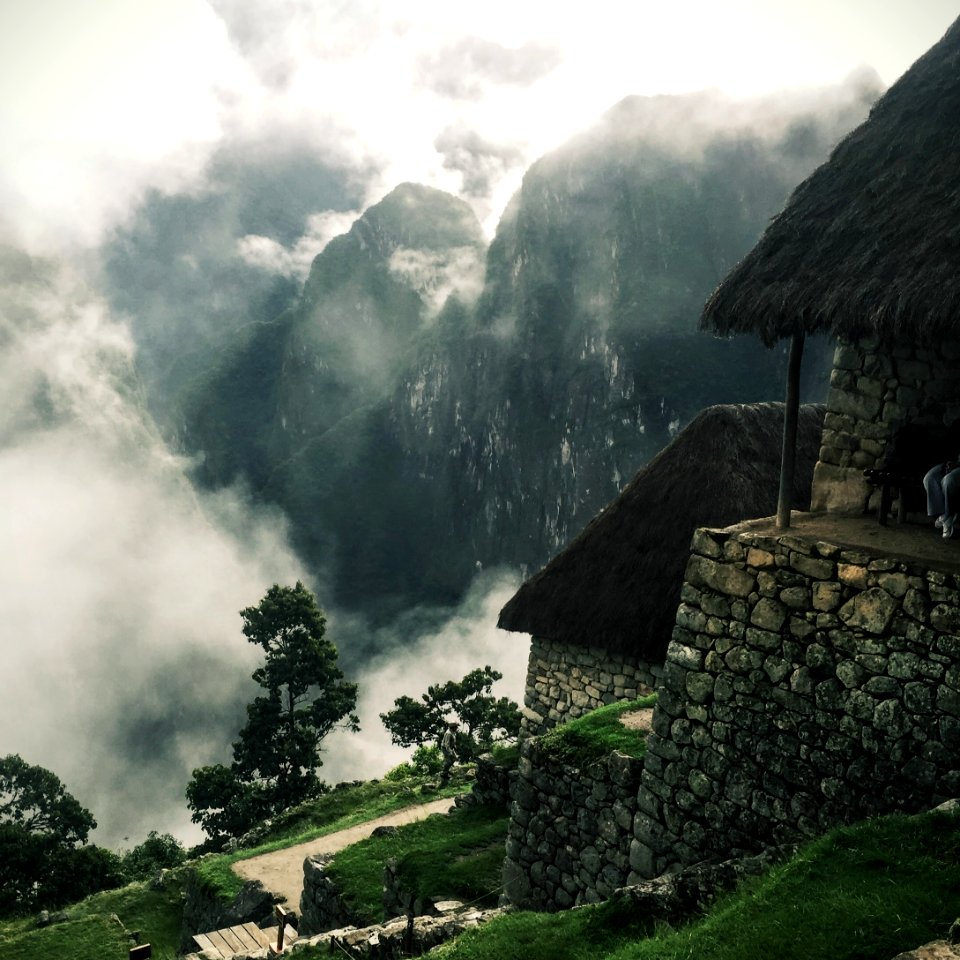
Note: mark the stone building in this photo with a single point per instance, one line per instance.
(601, 612)
(867, 251)
(814, 673)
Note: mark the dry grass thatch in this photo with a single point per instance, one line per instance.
(617, 585)
(869, 244)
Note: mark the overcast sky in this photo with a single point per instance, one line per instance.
(102, 99)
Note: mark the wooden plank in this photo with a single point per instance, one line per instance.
(216, 936)
(249, 943)
(204, 942)
(254, 931)
(236, 944)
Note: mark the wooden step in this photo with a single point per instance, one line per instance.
(239, 940)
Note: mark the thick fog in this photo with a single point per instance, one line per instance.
(409, 659)
(121, 586)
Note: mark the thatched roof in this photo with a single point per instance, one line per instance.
(870, 243)
(617, 585)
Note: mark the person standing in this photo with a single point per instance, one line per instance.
(448, 747)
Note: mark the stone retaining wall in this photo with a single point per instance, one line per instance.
(570, 830)
(873, 391)
(321, 905)
(806, 686)
(492, 785)
(566, 681)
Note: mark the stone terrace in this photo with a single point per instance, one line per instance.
(813, 679)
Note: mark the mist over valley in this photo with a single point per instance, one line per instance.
(274, 348)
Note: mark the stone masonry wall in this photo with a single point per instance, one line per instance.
(570, 830)
(321, 905)
(806, 685)
(873, 391)
(565, 681)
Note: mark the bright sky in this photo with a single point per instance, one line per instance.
(102, 99)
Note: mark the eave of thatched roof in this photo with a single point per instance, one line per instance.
(617, 585)
(869, 245)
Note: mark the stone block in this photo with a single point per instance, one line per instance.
(817, 568)
(850, 674)
(768, 614)
(707, 543)
(945, 618)
(796, 598)
(699, 687)
(725, 578)
(838, 490)
(903, 666)
(826, 596)
(872, 610)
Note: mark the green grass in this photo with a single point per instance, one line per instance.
(90, 933)
(597, 734)
(457, 855)
(863, 892)
(506, 755)
(327, 814)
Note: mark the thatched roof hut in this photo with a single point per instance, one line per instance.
(617, 585)
(869, 244)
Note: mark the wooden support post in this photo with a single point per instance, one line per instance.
(791, 415)
(282, 920)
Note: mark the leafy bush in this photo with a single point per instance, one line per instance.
(399, 773)
(481, 718)
(159, 851)
(427, 760)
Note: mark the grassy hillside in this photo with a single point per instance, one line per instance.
(458, 855)
(327, 814)
(93, 933)
(863, 892)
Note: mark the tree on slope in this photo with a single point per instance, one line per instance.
(43, 831)
(277, 754)
(482, 718)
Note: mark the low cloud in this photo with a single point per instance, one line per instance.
(481, 163)
(120, 586)
(462, 70)
(467, 638)
(436, 275)
(272, 256)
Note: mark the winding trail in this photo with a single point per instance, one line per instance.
(281, 872)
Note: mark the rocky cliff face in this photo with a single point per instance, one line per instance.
(415, 431)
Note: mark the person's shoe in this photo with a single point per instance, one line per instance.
(947, 527)
(938, 523)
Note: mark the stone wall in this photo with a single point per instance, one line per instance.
(806, 686)
(565, 681)
(873, 391)
(492, 785)
(321, 905)
(570, 830)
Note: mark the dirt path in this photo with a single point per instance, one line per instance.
(281, 872)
